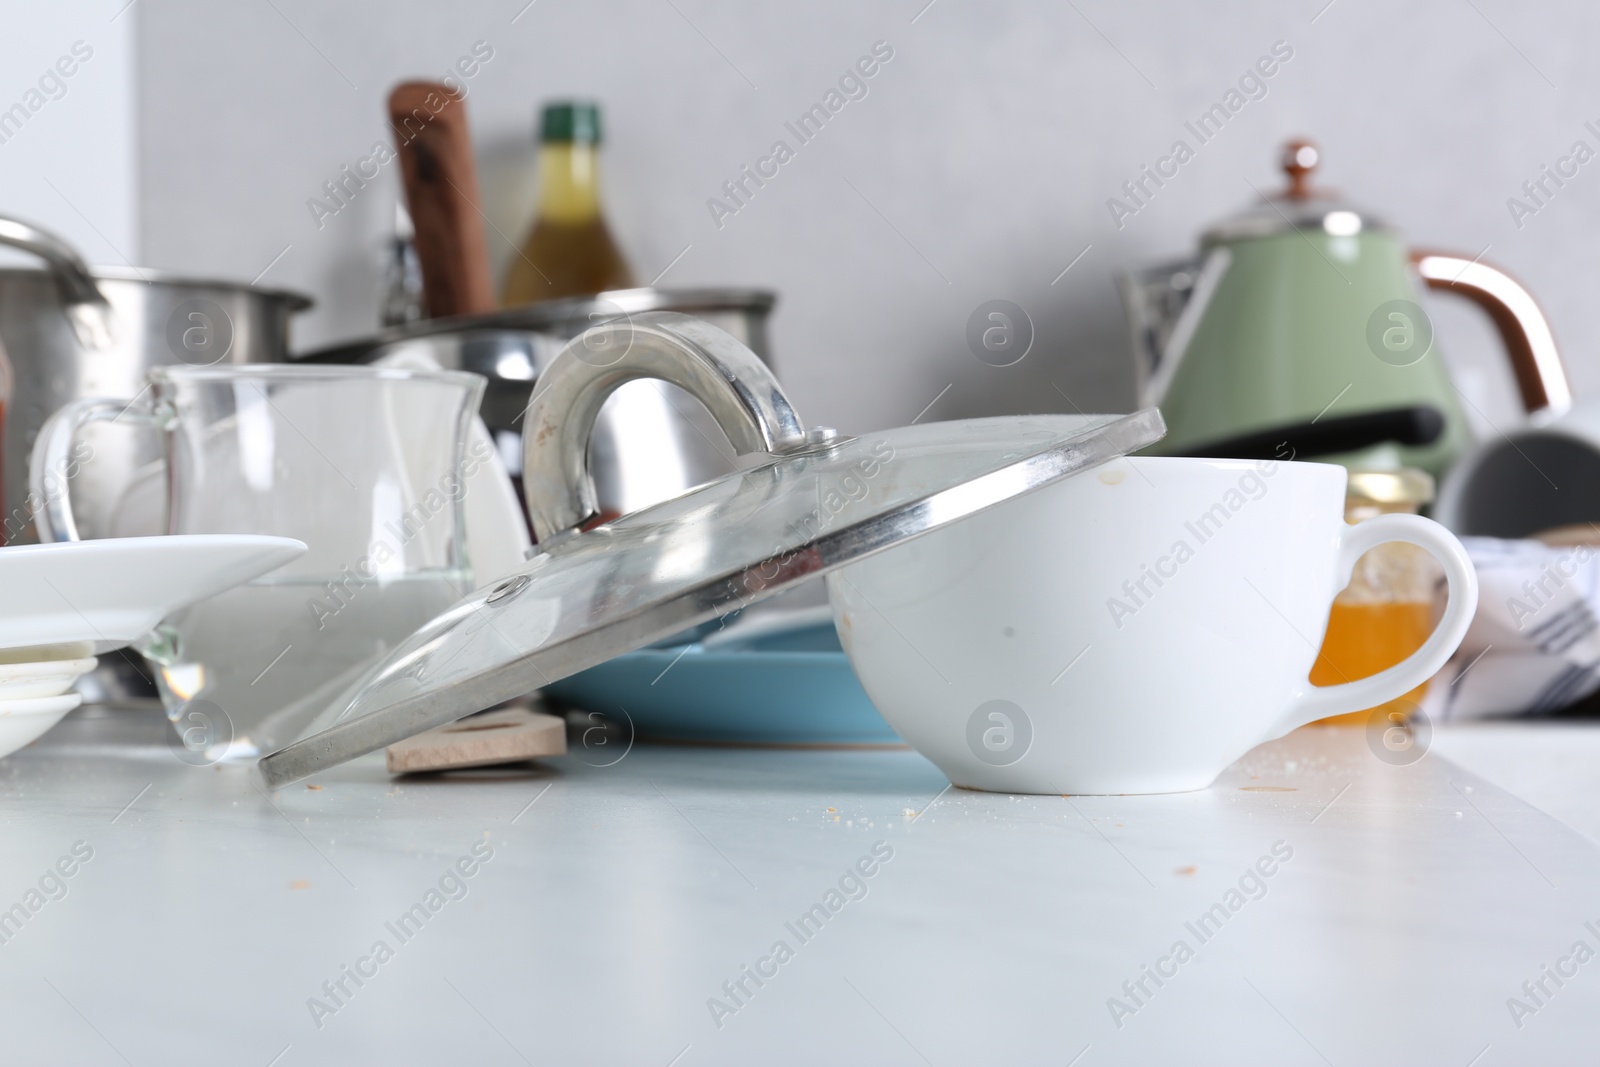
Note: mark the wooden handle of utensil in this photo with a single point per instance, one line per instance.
(1541, 378)
(430, 131)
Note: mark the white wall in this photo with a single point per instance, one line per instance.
(70, 165)
(977, 167)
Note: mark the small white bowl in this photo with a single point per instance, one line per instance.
(47, 653)
(21, 721)
(25, 681)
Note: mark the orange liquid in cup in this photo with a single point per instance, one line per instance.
(1367, 637)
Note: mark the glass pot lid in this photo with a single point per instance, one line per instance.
(814, 502)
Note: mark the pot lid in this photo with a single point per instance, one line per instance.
(1299, 207)
(812, 502)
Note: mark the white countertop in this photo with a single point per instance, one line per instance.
(1554, 766)
(619, 900)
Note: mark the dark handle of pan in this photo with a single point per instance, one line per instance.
(1418, 425)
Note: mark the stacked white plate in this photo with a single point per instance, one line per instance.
(65, 602)
(35, 686)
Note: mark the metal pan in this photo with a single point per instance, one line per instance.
(71, 331)
(652, 440)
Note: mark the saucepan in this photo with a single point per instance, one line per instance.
(72, 331)
(651, 441)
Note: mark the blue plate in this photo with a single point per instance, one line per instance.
(789, 685)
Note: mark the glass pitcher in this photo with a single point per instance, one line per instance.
(367, 466)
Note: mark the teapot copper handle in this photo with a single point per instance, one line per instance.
(1541, 378)
(708, 363)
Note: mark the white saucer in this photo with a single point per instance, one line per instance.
(112, 591)
(47, 678)
(21, 721)
(35, 654)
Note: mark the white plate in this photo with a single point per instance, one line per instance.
(112, 591)
(21, 721)
(48, 678)
(36, 654)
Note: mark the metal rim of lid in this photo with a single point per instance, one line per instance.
(549, 315)
(299, 373)
(148, 277)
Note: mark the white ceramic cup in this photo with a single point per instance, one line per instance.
(1133, 629)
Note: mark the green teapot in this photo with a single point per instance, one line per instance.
(1296, 331)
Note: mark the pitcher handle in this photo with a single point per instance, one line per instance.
(709, 364)
(1531, 347)
(1313, 702)
(55, 460)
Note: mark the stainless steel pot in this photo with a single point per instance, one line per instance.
(72, 332)
(651, 441)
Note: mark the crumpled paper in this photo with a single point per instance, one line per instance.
(1534, 644)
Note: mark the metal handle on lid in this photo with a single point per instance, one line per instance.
(708, 363)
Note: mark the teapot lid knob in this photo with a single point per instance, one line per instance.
(1300, 158)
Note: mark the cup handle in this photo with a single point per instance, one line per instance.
(54, 461)
(1313, 702)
